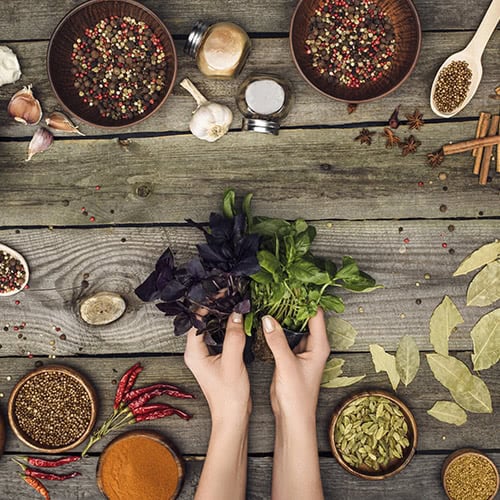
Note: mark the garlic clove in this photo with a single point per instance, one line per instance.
(10, 70)
(59, 121)
(41, 141)
(24, 108)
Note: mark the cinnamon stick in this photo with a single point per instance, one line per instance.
(461, 147)
(480, 127)
(498, 153)
(485, 162)
(483, 132)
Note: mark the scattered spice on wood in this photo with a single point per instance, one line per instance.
(470, 477)
(391, 139)
(436, 158)
(394, 120)
(409, 146)
(365, 136)
(415, 120)
(351, 108)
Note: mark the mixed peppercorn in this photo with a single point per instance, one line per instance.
(12, 273)
(119, 67)
(351, 42)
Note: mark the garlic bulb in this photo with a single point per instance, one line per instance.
(59, 121)
(210, 120)
(24, 108)
(10, 71)
(41, 140)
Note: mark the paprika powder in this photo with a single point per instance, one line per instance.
(139, 465)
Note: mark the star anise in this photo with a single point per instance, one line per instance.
(415, 121)
(351, 107)
(391, 139)
(365, 136)
(436, 158)
(409, 146)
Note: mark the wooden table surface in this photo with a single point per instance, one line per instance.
(364, 201)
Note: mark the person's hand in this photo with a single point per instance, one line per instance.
(297, 377)
(223, 378)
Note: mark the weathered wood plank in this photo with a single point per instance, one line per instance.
(192, 437)
(272, 55)
(119, 259)
(309, 173)
(20, 21)
(337, 484)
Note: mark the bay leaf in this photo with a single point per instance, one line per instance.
(337, 382)
(486, 338)
(407, 359)
(469, 391)
(386, 362)
(484, 289)
(444, 319)
(448, 412)
(479, 258)
(333, 368)
(341, 334)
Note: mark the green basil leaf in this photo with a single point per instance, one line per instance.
(300, 226)
(247, 210)
(486, 338)
(448, 412)
(228, 204)
(332, 303)
(263, 277)
(307, 272)
(348, 269)
(249, 322)
(269, 262)
(341, 334)
(302, 244)
(271, 227)
(361, 282)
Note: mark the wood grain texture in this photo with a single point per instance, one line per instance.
(19, 21)
(315, 174)
(271, 55)
(337, 483)
(68, 265)
(192, 437)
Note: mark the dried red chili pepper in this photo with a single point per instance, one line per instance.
(148, 396)
(161, 414)
(173, 391)
(37, 486)
(133, 377)
(121, 390)
(45, 475)
(42, 462)
(142, 410)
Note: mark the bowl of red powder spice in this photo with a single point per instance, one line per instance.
(111, 63)
(355, 50)
(139, 465)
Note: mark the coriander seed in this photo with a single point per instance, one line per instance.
(452, 86)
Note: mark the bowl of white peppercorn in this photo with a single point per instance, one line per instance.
(52, 409)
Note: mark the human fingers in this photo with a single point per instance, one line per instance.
(234, 341)
(317, 340)
(276, 340)
(196, 349)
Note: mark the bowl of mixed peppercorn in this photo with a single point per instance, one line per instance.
(112, 63)
(355, 50)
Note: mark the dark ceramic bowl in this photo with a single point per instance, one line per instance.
(393, 467)
(59, 62)
(408, 34)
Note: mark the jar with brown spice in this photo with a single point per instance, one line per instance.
(220, 49)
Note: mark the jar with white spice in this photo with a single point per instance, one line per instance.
(264, 100)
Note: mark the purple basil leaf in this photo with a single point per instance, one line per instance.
(171, 308)
(147, 291)
(243, 307)
(246, 267)
(166, 261)
(221, 227)
(172, 291)
(197, 294)
(209, 255)
(182, 323)
(239, 224)
(196, 269)
(209, 340)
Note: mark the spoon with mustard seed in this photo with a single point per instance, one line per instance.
(458, 78)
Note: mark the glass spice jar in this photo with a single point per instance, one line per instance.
(264, 100)
(220, 49)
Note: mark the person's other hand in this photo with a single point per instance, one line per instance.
(223, 378)
(297, 377)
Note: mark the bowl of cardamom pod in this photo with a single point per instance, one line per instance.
(373, 435)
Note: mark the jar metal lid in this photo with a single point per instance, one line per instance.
(260, 125)
(195, 38)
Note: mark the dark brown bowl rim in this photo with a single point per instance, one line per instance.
(359, 101)
(52, 368)
(155, 436)
(468, 451)
(409, 418)
(74, 11)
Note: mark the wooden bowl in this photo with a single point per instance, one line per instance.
(408, 34)
(103, 467)
(22, 260)
(463, 452)
(28, 440)
(72, 26)
(393, 467)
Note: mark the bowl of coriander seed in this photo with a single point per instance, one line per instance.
(373, 435)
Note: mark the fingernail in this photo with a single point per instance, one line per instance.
(268, 324)
(237, 317)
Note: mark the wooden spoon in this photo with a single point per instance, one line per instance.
(472, 55)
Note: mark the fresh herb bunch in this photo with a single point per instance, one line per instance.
(216, 281)
(293, 283)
